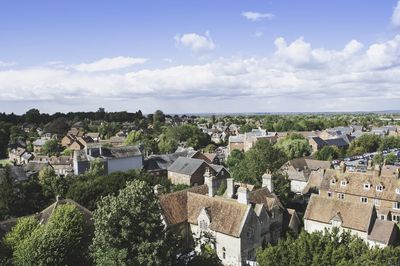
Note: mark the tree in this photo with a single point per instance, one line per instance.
(261, 157)
(158, 119)
(391, 159)
(52, 184)
(234, 159)
(328, 153)
(59, 242)
(365, 143)
(245, 128)
(378, 159)
(129, 230)
(133, 138)
(33, 116)
(7, 193)
(294, 146)
(389, 142)
(50, 147)
(96, 168)
(326, 248)
(57, 126)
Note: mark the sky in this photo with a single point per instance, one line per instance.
(203, 56)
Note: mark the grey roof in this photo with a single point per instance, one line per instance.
(121, 152)
(217, 168)
(185, 165)
(39, 142)
(16, 172)
(339, 142)
(319, 141)
(163, 161)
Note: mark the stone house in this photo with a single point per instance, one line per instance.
(19, 156)
(357, 218)
(299, 171)
(380, 187)
(240, 221)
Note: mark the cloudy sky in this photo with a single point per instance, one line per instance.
(200, 56)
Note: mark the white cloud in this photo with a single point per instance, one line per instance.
(196, 42)
(107, 64)
(396, 15)
(256, 16)
(258, 34)
(7, 64)
(297, 75)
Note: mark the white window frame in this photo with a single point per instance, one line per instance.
(341, 196)
(330, 194)
(364, 199)
(396, 218)
(380, 188)
(333, 181)
(377, 202)
(396, 205)
(367, 186)
(343, 183)
(398, 191)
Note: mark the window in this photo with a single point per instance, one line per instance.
(377, 202)
(329, 194)
(396, 205)
(367, 186)
(395, 218)
(222, 172)
(203, 225)
(397, 190)
(343, 183)
(250, 233)
(341, 196)
(333, 181)
(383, 217)
(364, 199)
(223, 253)
(379, 188)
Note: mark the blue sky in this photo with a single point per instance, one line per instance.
(200, 56)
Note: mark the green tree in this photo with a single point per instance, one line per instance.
(391, 159)
(294, 146)
(50, 147)
(59, 242)
(129, 230)
(389, 142)
(378, 159)
(52, 185)
(133, 138)
(365, 143)
(261, 157)
(7, 193)
(96, 168)
(234, 159)
(328, 153)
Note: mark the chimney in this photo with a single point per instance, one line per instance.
(378, 169)
(267, 181)
(211, 181)
(230, 187)
(343, 167)
(243, 194)
(369, 165)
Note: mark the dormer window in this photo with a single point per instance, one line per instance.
(379, 188)
(333, 181)
(343, 183)
(367, 186)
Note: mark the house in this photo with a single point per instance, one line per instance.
(342, 142)
(245, 142)
(240, 221)
(62, 165)
(20, 156)
(95, 136)
(158, 164)
(187, 171)
(115, 159)
(299, 171)
(356, 217)
(38, 145)
(380, 187)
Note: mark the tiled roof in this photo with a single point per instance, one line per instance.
(382, 231)
(355, 216)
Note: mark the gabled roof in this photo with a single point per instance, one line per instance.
(121, 152)
(355, 216)
(226, 215)
(265, 197)
(185, 165)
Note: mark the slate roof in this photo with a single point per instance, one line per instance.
(355, 216)
(339, 142)
(121, 152)
(185, 165)
(163, 161)
(39, 142)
